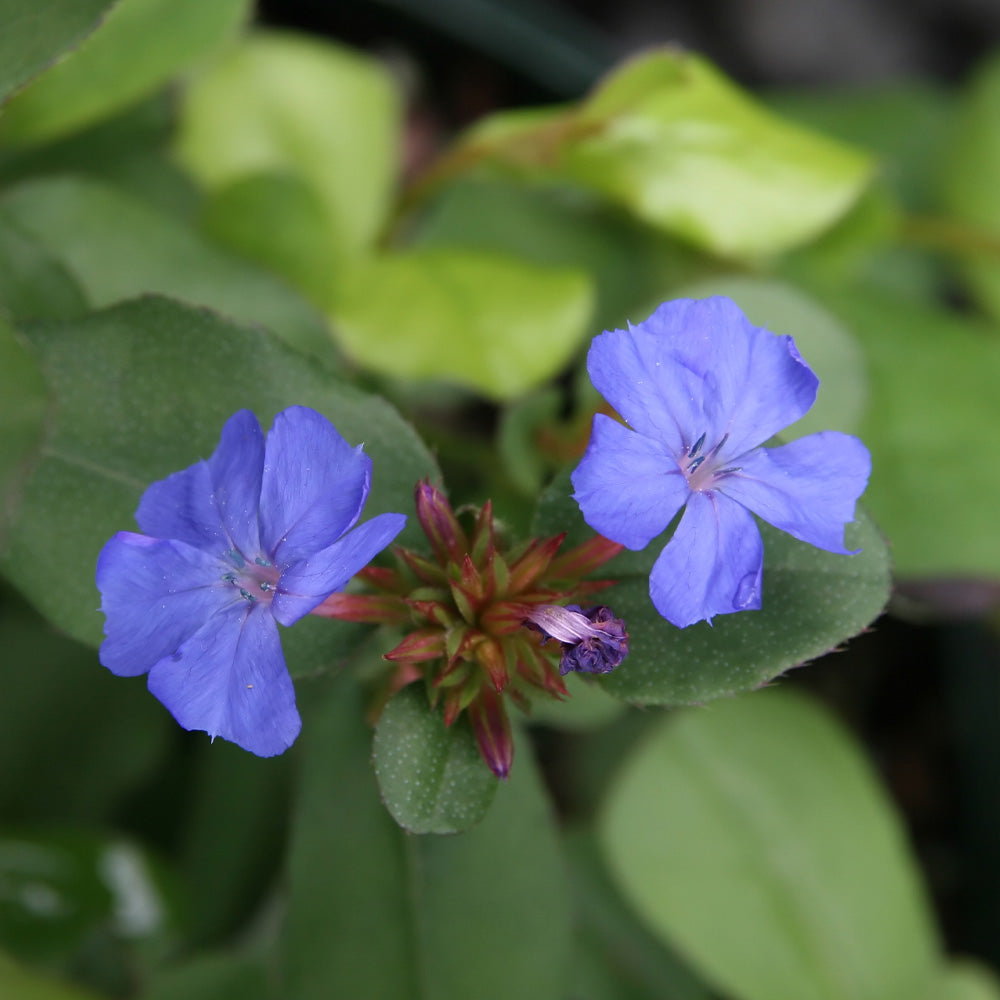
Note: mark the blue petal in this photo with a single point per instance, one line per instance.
(711, 566)
(309, 582)
(698, 366)
(230, 680)
(640, 375)
(808, 488)
(212, 505)
(315, 485)
(155, 595)
(628, 486)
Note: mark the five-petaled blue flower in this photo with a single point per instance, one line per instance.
(258, 534)
(702, 389)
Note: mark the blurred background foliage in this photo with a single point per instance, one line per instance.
(209, 206)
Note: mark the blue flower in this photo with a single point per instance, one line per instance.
(257, 535)
(702, 389)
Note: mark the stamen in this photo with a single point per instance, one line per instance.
(261, 561)
(730, 470)
(696, 447)
(725, 438)
(236, 557)
(694, 465)
(247, 596)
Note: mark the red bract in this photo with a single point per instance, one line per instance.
(469, 606)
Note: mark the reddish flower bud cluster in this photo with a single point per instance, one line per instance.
(472, 605)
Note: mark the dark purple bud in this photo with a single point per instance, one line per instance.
(593, 640)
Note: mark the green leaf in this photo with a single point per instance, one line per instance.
(906, 124)
(588, 707)
(812, 600)
(754, 837)
(118, 247)
(212, 977)
(967, 182)
(552, 225)
(61, 890)
(827, 346)
(677, 144)
(281, 102)
(613, 944)
(34, 32)
(20, 982)
(930, 425)
(237, 799)
(490, 322)
(375, 913)
(276, 219)
(64, 720)
(139, 47)
(143, 390)
(431, 776)
(128, 152)
(33, 284)
(965, 980)
(23, 403)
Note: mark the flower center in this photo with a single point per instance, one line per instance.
(701, 466)
(255, 581)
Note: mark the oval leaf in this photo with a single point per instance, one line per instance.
(681, 147)
(482, 320)
(812, 600)
(755, 839)
(431, 776)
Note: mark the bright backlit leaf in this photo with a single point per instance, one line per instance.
(681, 147)
(487, 321)
(282, 102)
